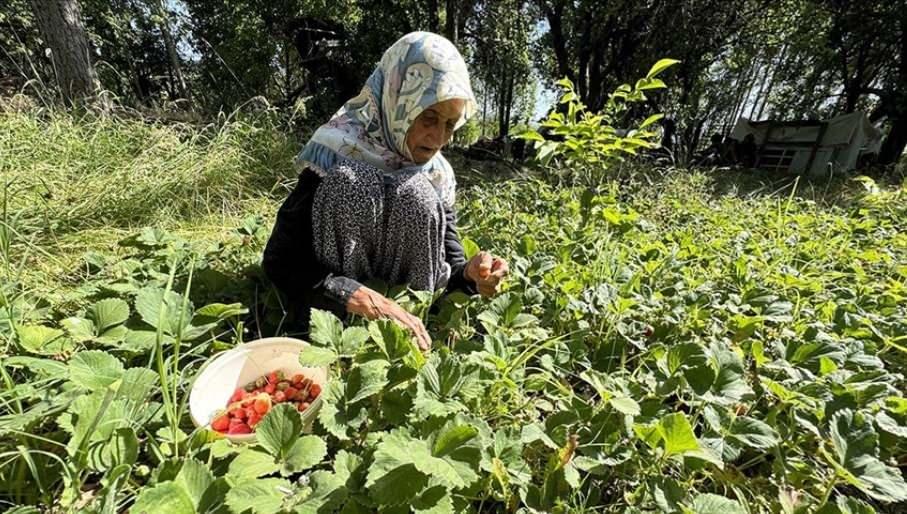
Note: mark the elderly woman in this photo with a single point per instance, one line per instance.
(375, 197)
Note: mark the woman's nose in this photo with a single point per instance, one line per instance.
(435, 136)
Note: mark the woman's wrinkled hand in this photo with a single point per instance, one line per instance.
(487, 271)
(374, 305)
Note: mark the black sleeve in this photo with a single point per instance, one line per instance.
(455, 256)
(289, 259)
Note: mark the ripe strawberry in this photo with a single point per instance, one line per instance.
(280, 397)
(315, 391)
(272, 377)
(291, 393)
(254, 419)
(302, 406)
(237, 395)
(238, 413)
(221, 423)
(298, 378)
(262, 406)
(240, 428)
(270, 388)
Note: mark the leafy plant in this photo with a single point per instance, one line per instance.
(584, 144)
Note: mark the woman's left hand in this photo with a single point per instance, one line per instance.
(487, 271)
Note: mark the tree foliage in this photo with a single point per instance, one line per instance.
(785, 59)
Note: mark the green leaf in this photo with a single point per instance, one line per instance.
(113, 336)
(452, 438)
(120, 449)
(394, 483)
(758, 350)
(328, 492)
(365, 380)
(317, 356)
(649, 83)
(884, 421)
(261, 496)
(650, 120)
(729, 386)
(80, 329)
(470, 248)
(398, 449)
(325, 329)
(625, 405)
(42, 340)
(715, 504)
(166, 497)
(215, 496)
(530, 135)
(667, 493)
(753, 433)
(279, 430)
(352, 340)
(847, 505)
(141, 341)
(534, 432)
(677, 434)
(163, 310)
(855, 443)
(137, 384)
(108, 312)
(306, 452)
(336, 415)
(47, 368)
(434, 500)
(660, 66)
(94, 369)
(252, 463)
(195, 478)
(221, 311)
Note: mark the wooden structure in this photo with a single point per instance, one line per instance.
(810, 147)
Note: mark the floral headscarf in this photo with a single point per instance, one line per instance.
(419, 70)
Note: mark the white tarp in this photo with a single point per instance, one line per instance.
(845, 139)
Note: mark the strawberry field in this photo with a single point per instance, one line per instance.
(672, 341)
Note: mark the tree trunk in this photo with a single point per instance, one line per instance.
(555, 15)
(583, 54)
(743, 88)
(434, 21)
(451, 21)
(502, 97)
(595, 93)
(893, 147)
(767, 68)
(60, 24)
(170, 45)
(508, 104)
(894, 144)
(774, 64)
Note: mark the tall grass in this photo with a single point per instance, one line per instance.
(74, 172)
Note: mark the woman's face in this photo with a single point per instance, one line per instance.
(433, 129)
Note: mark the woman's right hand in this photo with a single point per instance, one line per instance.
(374, 305)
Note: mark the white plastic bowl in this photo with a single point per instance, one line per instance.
(235, 368)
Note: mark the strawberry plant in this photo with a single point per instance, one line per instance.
(669, 349)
